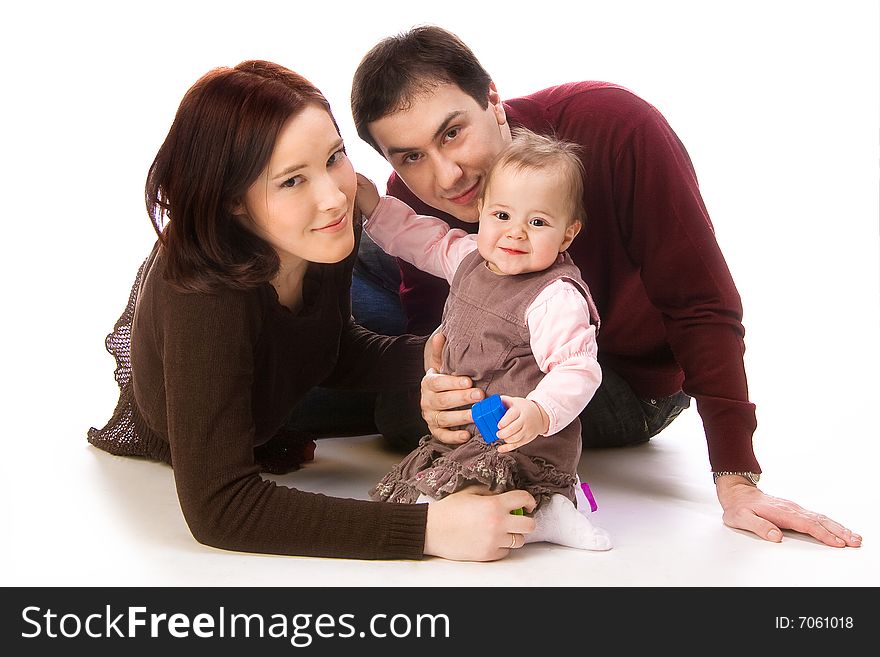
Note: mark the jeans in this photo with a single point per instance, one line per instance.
(616, 417)
(396, 415)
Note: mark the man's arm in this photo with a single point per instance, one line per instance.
(687, 279)
(668, 235)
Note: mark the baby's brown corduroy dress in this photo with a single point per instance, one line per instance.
(487, 339)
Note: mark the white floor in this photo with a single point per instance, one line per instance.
(778, 105)
(88, 518)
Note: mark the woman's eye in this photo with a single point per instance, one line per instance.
(292, 182)
(337, 157)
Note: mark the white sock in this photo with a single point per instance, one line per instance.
(558, 521)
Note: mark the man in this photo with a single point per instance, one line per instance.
(671, 315)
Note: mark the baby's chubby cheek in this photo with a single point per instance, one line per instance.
(485, 246)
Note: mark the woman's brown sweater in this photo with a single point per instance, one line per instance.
(212, 376)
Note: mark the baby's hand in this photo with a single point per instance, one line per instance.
(524, 421)
(367, 195)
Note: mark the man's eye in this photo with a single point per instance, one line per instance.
(410, 158)
(451, 134)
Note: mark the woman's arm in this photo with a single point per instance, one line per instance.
(368, 361)
(473, 525)
(207, 351)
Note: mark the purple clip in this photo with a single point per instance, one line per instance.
(593, 506)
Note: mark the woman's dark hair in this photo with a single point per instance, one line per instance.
(399, 67)
(221, 140)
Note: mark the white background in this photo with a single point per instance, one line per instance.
(777, 103)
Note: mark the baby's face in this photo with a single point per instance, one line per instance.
(525, 222)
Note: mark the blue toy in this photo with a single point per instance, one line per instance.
(487, 414)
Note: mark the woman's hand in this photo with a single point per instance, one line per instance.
(367, 195)
(475, 525)
(749, 508)
(524, 421)
(442, 392)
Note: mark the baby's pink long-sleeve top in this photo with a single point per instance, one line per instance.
(563, 340)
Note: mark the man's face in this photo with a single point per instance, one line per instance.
(442, 146)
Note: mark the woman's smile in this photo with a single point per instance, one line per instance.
(335, 226)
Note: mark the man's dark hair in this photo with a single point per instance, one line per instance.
(400, 67)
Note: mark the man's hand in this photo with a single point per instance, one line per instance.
(524, 421)
(434, 351)
(747, 507)
(441, 392)
(367, 195)
(473, 525)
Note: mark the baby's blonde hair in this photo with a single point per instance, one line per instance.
(529, 151)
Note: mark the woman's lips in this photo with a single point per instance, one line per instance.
(333, 227)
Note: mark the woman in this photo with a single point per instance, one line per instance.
(242, 307)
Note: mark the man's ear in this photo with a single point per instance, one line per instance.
(495, 104)
(570, 233)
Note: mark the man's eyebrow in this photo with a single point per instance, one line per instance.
(397, 150)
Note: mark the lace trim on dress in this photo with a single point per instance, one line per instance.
(437, 470)
(124, 432)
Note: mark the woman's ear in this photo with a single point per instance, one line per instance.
(570, 233)
(237, 209)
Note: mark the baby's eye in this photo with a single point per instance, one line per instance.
(537, 221)
(502, 216)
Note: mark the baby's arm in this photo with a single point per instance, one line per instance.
(563, 341)
(426, 242)
(524, 421)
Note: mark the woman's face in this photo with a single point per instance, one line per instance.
(303, 203)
